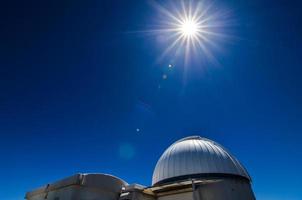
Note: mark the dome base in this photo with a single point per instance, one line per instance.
(200, 176)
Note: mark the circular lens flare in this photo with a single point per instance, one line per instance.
(189, 28)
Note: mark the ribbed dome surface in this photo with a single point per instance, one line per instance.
(196, 155)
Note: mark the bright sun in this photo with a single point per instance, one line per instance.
(189, 28)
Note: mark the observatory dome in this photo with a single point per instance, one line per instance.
(193, 157)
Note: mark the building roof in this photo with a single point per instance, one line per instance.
(105, 181)
(196, 156)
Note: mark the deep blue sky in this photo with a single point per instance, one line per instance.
(75, 86)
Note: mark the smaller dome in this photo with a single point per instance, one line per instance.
(196, 156)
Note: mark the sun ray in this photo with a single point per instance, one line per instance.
(191, 28)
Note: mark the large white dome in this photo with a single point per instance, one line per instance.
(196, 157)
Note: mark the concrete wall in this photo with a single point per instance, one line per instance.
(228, 189)
(137, 195)
(179, 196)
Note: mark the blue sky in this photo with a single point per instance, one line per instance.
(78, 81)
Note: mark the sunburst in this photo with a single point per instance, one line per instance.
(191, 27)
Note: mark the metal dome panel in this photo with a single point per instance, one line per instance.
(196, 155)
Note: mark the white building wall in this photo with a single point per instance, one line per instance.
(179, 196)
(229, 189)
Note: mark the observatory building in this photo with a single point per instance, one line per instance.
(193, 168)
